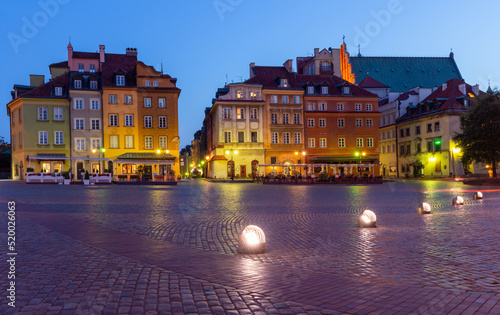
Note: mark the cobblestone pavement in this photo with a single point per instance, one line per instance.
(449, 257)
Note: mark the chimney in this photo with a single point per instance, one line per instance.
(462, 88)
(316, 51)
(252, 65)
(70, 54)
(37, 79)
(131, 51)
(101, 54)
(475, 89)
(288, 65)
(445, 85)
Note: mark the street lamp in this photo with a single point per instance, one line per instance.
(235, 152)
(453, 153)
(103, 150)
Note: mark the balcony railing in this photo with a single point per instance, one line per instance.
(326, 69)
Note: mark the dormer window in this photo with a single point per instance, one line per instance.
(120, 80)
(347, 90)
(93, 85)
(324, 90)
(239, 94)
(58, 91)
(155, 83)
(284, 82)
(148, 83)
(78, 84)
(253, 95)
(310, 90)
(80, 67)
(466, 103)
(92, 68)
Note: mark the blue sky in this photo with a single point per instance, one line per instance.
(202, 42)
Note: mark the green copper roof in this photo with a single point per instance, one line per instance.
(404, 73)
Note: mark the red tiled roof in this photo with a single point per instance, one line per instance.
(46, 90)
(405, 95)
(270, 77)
(218, 157)
(301, 61)
(62, 64)
(85, 55)
(114, 62)
(369, 82)
(334, 84)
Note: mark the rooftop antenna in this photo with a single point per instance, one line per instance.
(241, 78)
(359, 50)
(227, 80)
(162, 66)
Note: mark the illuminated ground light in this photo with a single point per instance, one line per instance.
(424, 208)
(478, 195)
(252, 240)
(367, 219)
(457, 200)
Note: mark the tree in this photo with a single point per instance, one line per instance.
(480, 137)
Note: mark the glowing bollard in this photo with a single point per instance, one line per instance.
(457, 200)
(478, 195)
(424, 208)
(252, 240)
(367, 219)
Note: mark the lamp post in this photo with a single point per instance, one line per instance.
(206, 166)
(231, 151)
(101, 149)
(453, 152)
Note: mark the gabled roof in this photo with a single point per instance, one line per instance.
(85, 55)
(369, 82)
(403, 73)
(62, 64)
(267, 77)
(114, 62)
(46, 90)
(405, 95)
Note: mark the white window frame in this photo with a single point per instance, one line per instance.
(322, 122)
(226, 113)
(286, 138)
(120, 80)
(284, 99)
(310, 122)
(93, 85)
(340, 107)
(340, 122)
(58, 113)
(113, 142)
(296, 99)
(95, 143)
(358, 107)
(162, 102)
(322, 106)
(297, 138)
(58, 91)
(274, 138)
(95, 104)
(80, 144)
(147, 102)
(240, 113)
(81, 67)
(227, 137)
(148, 142)
(42, 113)
(78, 105)
(274, 99)
(369, 107)
(310, 106)
(162, 121)
(274, 118)
(77, 123)
(113, 99)
(128, 99)
(77, 84)
(95, 123)
(286, 119)
(148, 82)
(91, 68)
(359, 122)
(341, 143)
(129, 141)
(113, 120)
(310, 89)
(162, 142)
(369, 122)
(296, 118)
(324, 90)
(148, 121)
(369, 142)
(254, 114)
(129, 118)
(155, 83)
(311, 143)
(43, 138)
(322, 142)
(359, 142)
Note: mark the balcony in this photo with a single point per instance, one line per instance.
(326, 69)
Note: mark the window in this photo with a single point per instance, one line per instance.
(286, 137)
(429, 127)
(402, 150)
(113, 120)
(429, 146)
(227, 113)
(408, 149)
(394, 148)
(20, 115)
(417, 130)
(437, 146)
(128, 99)
(79, 124)
(162, 102)
(148, 121)
(95, 124)
(42, 113)
(147, 102)
(296, 119)
(274, 99)
(297, 138)
(239, 94)
(120, 80)
(358, 107)
(79, 144)
(310, 90)
(383, 121)
(93, 85)
(321, 106)
(368, 107)
(80, 67)
(58, 113)
(13, 137)
(296, 99)
(162, 122)
(284, 83)
(341, 142)
(285, 119)
(148, 142)
(129, 142)
(310, 106)
(148, 83)
(78, 103)
(310, 122)
(240, 113)
(436, 126)
(94, 104)
(253, 113)
(311, 143)
(284, 99)
(58, 90)
(383, 149)
(274, 138)
(254, 136)
(359, 122)
(42, 137)
(389, 148)
(340, 107)
(401, 133)
(322, 122)
(241, 136)
(369, 122)
(112, 99)
(163, 142)
(273, 159)
(407, 131)
(359, 142)
(113, 142)
(340, 122)
(155, 83)
(129, 120)
(92, 68)
(347, 90)
(274, 118)
(369, 142)
(324, 90)
(78, 84)
(95, 143)
(322, 142)
(418, 147)
(227, 136)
